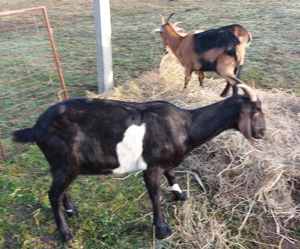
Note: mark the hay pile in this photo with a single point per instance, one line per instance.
(251, 197)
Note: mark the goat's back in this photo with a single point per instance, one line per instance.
(90, 131)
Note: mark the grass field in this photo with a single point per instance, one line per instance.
(115, 213)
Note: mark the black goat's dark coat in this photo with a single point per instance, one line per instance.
(80, 136)
(90, 130)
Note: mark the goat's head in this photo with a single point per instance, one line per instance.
(251, 121)
(168, 29)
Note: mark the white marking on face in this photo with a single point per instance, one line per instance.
(130, 150)
(69, 210)
(176, 188)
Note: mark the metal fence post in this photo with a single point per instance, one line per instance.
(103, 43)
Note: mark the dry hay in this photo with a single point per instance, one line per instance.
(252, 196)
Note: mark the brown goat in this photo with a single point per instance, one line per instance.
(220, 50)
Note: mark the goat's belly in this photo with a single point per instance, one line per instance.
(131, 166)
(130, 150)
(207, 65)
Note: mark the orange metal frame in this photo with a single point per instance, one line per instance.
(56, 57)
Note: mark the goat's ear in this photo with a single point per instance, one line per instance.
(244, 124)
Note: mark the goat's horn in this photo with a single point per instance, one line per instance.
(156, 30)
(163, 20)
(169, 17)
(176, 23)
(249, 91)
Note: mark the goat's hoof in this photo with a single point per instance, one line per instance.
(67, 236)
(180, 196)
(223, 95)
(162, 231)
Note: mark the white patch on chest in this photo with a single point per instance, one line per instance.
(130, 150)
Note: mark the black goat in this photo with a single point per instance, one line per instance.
(93, 136)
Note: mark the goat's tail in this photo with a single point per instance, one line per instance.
(250, 39)
(24, 135)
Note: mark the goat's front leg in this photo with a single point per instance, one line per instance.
(187, 77)
(179, 195)
(152, 180)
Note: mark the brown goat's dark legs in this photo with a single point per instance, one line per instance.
(234, 86)
(226, 89)
(187, 77)
(238, 71)
(152, 180)
(201, 77)
(56, 194)
(179, 195)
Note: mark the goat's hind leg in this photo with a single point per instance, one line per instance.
(238, 71)
(69, 206)
(56, 195)
(179, 195)
(152, 180)
(226, 89)
(227, 67)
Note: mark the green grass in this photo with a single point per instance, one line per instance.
(28, 84)
(107, 208)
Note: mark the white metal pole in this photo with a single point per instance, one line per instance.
(103, 43)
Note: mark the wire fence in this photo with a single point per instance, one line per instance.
(29, 80)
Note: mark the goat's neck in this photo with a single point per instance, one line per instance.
(173, 39)
(210, 121)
